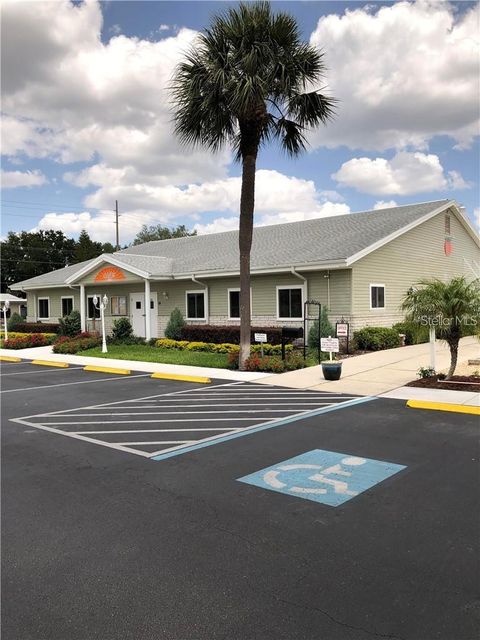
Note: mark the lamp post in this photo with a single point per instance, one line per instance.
(101, 305)
(6, 306)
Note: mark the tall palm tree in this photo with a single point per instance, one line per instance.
(453, 308)
(249, 79)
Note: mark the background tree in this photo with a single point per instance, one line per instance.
(86, 248)
(159, 232)
(26, 255)
(453, 308)
(245, 83)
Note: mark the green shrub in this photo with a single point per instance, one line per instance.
(326, 329)
(81, 342)
(14, 320)
(70, 325)
(414, 333)
(122, 330)
(376, 338)
(175, 325)
(270, 364)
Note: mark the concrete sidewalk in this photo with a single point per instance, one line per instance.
(379, 372)
(46, 353)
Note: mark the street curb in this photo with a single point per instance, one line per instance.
(9, 359)
(177, 376)
(50, 363)
(122, 372)
(443, 406)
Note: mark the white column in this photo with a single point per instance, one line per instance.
(83, 319)
(148, 315)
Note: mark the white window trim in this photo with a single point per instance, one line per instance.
(228, 302)
(376, 284)
(291, 286)
(39, 317)
(72, 298)
(92, 295)
(204, 291)
(119, 315)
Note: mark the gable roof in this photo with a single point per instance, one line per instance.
(326, 242)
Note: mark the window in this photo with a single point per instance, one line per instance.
(195, 305)
(290, 303)
(43, 308)
(377, 296)
(67, 306)
(118, 305)
(92, 311)
(234, 303)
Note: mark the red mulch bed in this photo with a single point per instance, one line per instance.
(457, 383)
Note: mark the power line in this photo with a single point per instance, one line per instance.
(50, 204)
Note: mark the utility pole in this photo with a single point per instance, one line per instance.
(117, 244)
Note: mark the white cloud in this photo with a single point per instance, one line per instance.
(384, 204)
(403, 74)
(404, 174)
(13, 179)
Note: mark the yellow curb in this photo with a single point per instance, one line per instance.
(51, 363)
(122, 372)
(9, 359)
(175, 376)
(444, 406)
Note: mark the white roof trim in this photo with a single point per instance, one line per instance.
(105, 258)
(409, 227)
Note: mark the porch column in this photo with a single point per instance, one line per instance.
(148, 315)
(83, 320)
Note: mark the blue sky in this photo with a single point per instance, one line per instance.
(86, 118)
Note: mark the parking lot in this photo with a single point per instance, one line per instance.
(144, 508)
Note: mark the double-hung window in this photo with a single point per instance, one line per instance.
(67, 306)
(195, 301)
(377, 296)
(289, 303)
(118, 305)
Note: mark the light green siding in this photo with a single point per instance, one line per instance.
(55, 302)
(416, 255)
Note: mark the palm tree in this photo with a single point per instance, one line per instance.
(451, 307)
(244, 83)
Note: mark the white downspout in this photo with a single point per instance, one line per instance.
(207, 305)
(148, 315)
(305, 284)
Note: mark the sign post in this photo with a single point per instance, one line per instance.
(260, 337)
(342, 330)
(330, 345)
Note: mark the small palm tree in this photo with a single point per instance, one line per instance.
(243, 84)
(451, 307)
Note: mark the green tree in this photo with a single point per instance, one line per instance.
(159, 232)
(107, 247)
(245, 82)
(28, 254)
(86, 248)
(452, 307)
(173, 330)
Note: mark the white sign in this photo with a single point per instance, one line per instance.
(342, 330)
(260, 337)
(329, 345)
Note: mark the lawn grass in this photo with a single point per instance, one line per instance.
(155, 354)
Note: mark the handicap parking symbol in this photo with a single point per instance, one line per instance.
(328, 477)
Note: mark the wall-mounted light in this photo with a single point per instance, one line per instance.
(165, 295)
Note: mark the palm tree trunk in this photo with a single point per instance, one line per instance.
(453, 346)
(247, 205)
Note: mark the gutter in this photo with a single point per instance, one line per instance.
(207, 294)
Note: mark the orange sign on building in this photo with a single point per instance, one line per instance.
(109, 274)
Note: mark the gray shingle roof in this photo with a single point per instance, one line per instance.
(284, 245)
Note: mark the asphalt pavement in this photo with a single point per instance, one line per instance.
(229, 540)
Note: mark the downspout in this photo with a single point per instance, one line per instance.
(207, 305)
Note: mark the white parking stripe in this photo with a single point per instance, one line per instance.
(51, 424)
(222, 429)
(67, 384)
(32, 372)
(126, 444)
(174, 413)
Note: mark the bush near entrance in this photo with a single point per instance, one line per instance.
(14, 320)
(376, 338)
(173, 330)
(70, 325)
(81, 342)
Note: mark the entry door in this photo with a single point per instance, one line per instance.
(137, 312)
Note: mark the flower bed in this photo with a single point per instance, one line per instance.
(17, 340)
(225, 347)
(82, 342)
(271, 364)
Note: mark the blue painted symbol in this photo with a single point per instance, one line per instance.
(328, 477)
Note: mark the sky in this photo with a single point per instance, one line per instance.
(86, 117)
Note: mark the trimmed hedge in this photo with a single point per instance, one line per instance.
(376, 338)
(225, 347)
(83, 341)
(37, 327)
(226, 334)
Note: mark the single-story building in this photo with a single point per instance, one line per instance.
(359, 265)
(15, 305)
